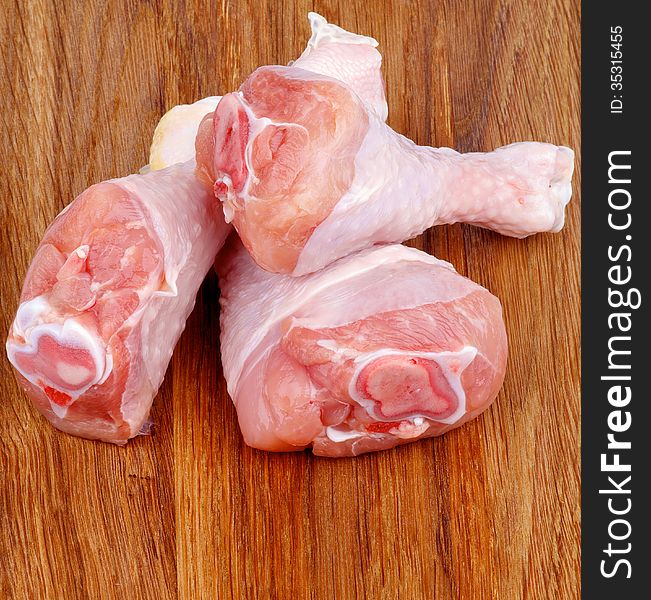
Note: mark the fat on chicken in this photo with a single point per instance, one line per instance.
(106, 298)
(308, 172)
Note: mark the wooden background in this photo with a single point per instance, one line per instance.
(487, 511)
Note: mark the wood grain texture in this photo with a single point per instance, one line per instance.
(487, 511)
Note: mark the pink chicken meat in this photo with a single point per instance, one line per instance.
(107, 296)
(308, 171)
(381, 348)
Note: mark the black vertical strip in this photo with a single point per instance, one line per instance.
(616, 267)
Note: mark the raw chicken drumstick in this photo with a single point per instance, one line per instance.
(107, 296)
(380, 348)
(308, 172)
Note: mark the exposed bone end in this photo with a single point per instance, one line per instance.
(397, 386)
(322, 31)
(403, 385)
(62, 359)
(174, 136)
(561, 185)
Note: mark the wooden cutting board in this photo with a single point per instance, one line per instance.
(488, 511)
